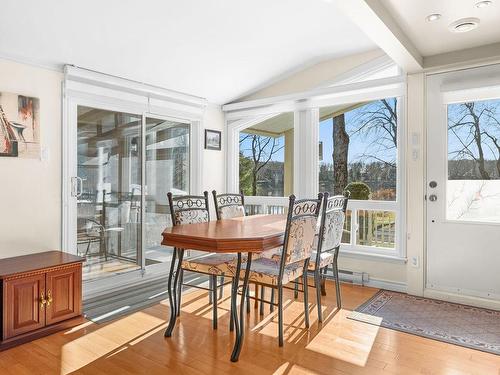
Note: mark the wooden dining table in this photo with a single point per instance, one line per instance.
(248, 234)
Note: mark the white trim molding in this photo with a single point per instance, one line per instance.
(82, 87)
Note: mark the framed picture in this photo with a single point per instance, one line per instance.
(19, 125)
(212, 139)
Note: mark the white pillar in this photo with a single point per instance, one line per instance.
(305, 167)
(415, 174)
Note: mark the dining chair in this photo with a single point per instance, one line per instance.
(228, 206)
(231, 205)
(326, 249)
(191, 209)
(300, 230)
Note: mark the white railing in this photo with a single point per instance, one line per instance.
(370, 226)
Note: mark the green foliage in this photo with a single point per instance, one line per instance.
(359, 190)
(246, 167)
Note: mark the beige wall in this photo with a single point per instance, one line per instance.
(214, 170)
(314, 76)
(30, 189)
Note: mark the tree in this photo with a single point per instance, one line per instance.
(340, 153)
(378, 121)
(474, 129)
(261, 150)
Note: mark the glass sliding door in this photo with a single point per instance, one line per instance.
(109, 173)
(167, 166)
(126, 165)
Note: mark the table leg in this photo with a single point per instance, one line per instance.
(240, 328)
(234, 293)
(173, 289)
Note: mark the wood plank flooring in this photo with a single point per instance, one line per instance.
(135, 345)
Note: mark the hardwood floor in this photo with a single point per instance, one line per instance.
(135, 345)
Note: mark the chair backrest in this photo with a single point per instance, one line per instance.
(228, 206)
(333, 215)
(189, 209)
(300, 229)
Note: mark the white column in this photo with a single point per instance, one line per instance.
(305, 167)
(415, 168)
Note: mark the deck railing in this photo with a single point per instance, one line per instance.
(373, 223)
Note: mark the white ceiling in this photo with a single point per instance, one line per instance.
(432, 38)
(217, 49)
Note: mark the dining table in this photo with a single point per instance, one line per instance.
(248, 235)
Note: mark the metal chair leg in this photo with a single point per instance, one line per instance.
(306, 294)
(262, 296)
(296, 289)
(317, 284)
(248, 299)
(322, 273)
(210, 287)
(280, 315)
(337, 281)
(271, 306)
(179, 291)
(221, 290)
(214, 301)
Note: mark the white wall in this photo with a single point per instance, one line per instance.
(30, 189)
(214, 170)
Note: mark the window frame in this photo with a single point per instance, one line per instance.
(306, 106)
(396, 206)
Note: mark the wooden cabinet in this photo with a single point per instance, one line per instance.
(41, 293)
(63, 294)
(22, 309)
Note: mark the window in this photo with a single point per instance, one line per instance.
(266, 157)
(167, 169)
(359, 152)
(473, 186)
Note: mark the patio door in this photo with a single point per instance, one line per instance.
(463, 186)
(125, 164)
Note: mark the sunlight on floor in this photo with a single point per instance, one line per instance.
(353, 344)
(108, 340)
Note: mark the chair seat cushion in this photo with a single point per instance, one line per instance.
(212, 263)
(326, 258)
(266, 271)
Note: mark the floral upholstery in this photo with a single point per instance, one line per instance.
(191, 216)
(300, 239)
(212, 264)
(266, 271)
(228, 212)
(334, 224)
(326, 258)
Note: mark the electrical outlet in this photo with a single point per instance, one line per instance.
(415, 261)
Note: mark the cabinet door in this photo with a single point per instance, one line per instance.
(64, 294)
(22, 307)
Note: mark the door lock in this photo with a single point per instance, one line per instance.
(433, 197)
(433, 184)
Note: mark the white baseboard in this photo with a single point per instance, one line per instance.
(355, 277)
(462, 299)
(395, 286)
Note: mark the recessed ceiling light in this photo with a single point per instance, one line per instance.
(433, 17)
(463, 25)
(482, 4)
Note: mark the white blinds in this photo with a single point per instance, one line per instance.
(135, 96)
(478, 84)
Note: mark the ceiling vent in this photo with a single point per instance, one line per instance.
(464, 25)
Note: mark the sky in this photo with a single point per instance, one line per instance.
(456, 112)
